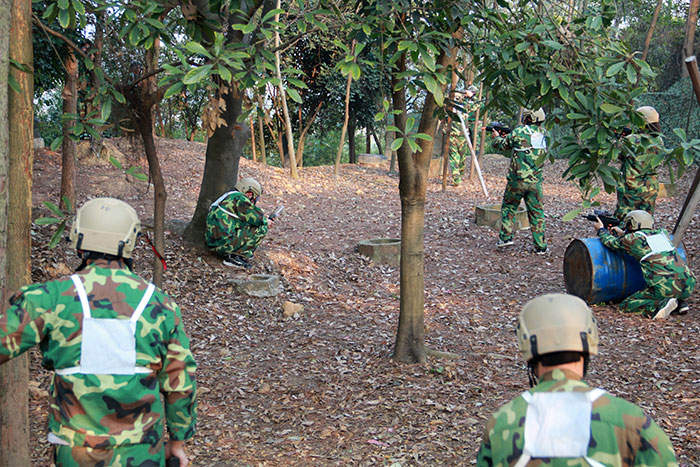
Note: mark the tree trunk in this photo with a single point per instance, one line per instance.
(447, 130)
(68, 148)
(302, 136)
(376, 140)
(224, 149)
(261, 131)
(252, 139)
(336, 168)
(368, 143)
(652, 26)
(352, 152)
(14, 411)
(690, 26)
(285, 110)
(413, 177)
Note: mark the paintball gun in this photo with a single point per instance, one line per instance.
(499, 127)
(605, 217)
(276, 213)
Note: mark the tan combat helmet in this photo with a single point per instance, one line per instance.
(105, 225)
(649, 113)
(473, 89)
(556, 323)
(247, 184)
(536, 116)
(638, 219)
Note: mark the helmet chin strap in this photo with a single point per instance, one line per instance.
(532, 378)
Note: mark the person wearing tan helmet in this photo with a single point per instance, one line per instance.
(669, 280)
(117, 347)
(235, 225)
(639, 184)
(561, 420)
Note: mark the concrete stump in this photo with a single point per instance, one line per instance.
(490, 215)
(257, 285)
(667, 190)
(381, 250)
(371, 159)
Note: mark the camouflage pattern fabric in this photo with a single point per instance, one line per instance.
(458, 152)
(524, 182)
(134, 455)
(471, 105)
(639, 186)
(621, 433)
(235, 226)
(106, 411)
(665, 273)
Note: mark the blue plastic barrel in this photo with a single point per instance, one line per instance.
(598, 274)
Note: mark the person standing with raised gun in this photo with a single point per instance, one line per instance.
(528, 144)
(458, 142)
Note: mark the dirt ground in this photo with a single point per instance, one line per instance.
(320, 388)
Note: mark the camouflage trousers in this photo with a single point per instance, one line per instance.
(458, 159)
(532, 194)
(241, 241)
(134, 455)
(650, 299)
(629, 200)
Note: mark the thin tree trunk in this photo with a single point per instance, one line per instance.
(446, 152)
(352, 152)
(368, 142)
(261, 130)
(14, 411)
(336, 168)
(68, 148)
(690, 26)
(252, 139)
(652, 26)
(376, 140)
(285, 110)
(302, 136)
(413, 177)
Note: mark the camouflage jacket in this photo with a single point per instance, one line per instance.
(637, 175)
(106, 410)
(656, 267)
(524, 164)
(233, 212)
(470, 108)
(621, 434)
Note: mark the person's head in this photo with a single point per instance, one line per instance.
(651, 118)
(636, 220)
(555, 330)
(472, 91)
(533, 116)
(105, 227)
(250, 187)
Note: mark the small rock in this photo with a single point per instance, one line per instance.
(289, 309)
(264, 388)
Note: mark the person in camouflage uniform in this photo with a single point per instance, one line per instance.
(235, 225)
(528, 145)
(669, 280)
(640, 184)
(116, 345)
(561, 421)
(459, 149)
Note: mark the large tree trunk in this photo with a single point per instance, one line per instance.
(221, 165)
(14, 412)
(413, 177)
(690, 26)
(68, 148)
(652, 26)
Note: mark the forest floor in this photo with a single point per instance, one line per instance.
(320, 388)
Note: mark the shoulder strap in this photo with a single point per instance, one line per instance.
(142, 304)
(82, 295)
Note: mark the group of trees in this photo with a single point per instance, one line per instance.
(267, 74)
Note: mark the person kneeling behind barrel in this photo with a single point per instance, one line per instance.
(669, 280)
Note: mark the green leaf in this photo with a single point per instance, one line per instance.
(56, 143)
(614, 69)
(79, 7)
(294, 95)
(195, 75)
(57, 235)
(197, 48)
(64, 19)
(14, 84)
(115, 163)
(62, 4)
(396, 144)
(428, 60)
(423, 136)
(430, 84)
(106, 109)
(66, 201)
(631, 74)
(174, 89)
(47, 221)
(224, 72)
(610, 108)
(53, 208)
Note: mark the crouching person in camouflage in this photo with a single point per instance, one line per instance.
(235, 225)
(669, 280)
(524, 178)
(561, 420)
(116, 345)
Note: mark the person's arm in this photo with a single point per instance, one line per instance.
(656, 448)
(250, 213)
(177, 381)
(23, 324)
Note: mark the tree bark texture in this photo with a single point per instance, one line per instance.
(283, 96)
(413, 176)
(336, 168)
(14, 412)
(221, 164)
(304, 131)
(352, 148)
(690, 26)
(261, 131)
(652, 26)
(68, 147)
